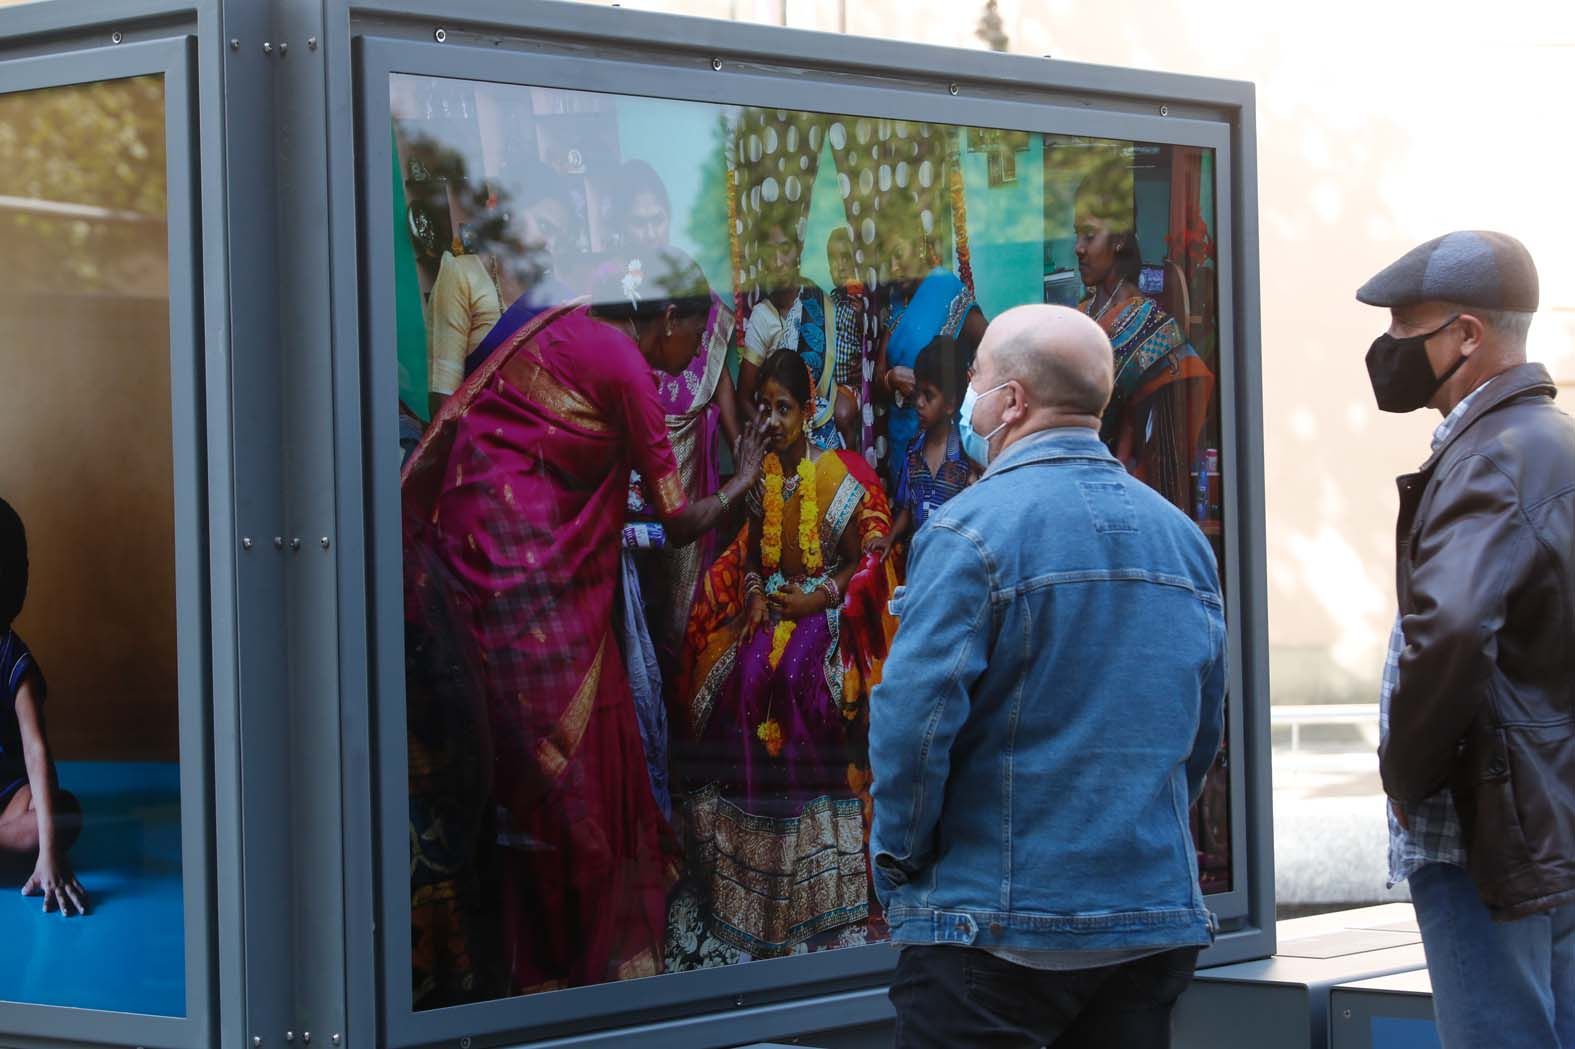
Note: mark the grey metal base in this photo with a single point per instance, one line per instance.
(1364, 968)
(1388, 1012)
(1283, 1002)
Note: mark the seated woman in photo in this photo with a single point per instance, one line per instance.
(784, 643)
(39, 822)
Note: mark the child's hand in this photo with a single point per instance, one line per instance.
(792, 603)
(53, 880)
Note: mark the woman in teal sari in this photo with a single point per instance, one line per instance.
(923, 302)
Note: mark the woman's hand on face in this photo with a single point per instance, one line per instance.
(793, 603)
(756, 615)
(750, 455)
(901, 380)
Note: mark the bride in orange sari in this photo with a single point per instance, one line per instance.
(513, 507)
(784, 643)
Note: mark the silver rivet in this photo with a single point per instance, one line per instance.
(464, 1043)
(256, 1041)
(295, 544)
(235, 43)
(116, 37)
(440, 34)
(284, 49)
(738, 1000)
(334, 1039)
(324, 541)
(716, 64)
(278, 542)
(246, 543)
(306, 1037)
(1347, 1014)
(289, 1036)
(1164, 111)
(311, 43)
(267, 48)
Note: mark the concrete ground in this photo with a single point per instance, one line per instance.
(1331, 836)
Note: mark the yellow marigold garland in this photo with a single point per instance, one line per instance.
(771, 527)
(769, 732)
(771, 539)
(960, 218)
(779, 640)
(735, 244)
(808, 517)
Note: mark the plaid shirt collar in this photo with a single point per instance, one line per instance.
(1457, 413)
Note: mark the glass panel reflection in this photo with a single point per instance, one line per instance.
(636, 711)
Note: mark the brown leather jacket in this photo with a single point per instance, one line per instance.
(1485, 705)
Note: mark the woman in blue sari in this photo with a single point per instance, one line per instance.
(923, 302)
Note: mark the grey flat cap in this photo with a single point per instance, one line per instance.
(1492, 271)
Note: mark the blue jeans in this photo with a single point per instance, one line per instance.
(1496, 985)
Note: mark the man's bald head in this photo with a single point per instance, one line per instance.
(1062, 358)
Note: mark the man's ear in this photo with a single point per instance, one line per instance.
(1473, 333)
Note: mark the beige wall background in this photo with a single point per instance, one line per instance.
(1380, 125)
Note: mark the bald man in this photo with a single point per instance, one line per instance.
(1051, 703)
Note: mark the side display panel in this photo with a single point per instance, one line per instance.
(91, 899)
(635, 711)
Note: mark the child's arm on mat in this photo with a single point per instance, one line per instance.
(52, 877)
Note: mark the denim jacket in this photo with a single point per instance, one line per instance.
(1051, 703)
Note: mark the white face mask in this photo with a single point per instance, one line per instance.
(975, 446)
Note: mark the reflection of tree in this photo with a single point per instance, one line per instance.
(710, 237)
(84, 166)
(992, 29)
(445, 209)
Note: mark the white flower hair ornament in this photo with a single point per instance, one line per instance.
(632, 279)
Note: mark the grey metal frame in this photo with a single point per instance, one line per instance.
(173, 59)
(295, 921)
(593, 49)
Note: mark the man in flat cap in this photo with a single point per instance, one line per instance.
(1478, 701)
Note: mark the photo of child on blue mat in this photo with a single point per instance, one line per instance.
(101, 635)
(39, 822)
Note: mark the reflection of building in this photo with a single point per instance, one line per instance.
(1350, 180)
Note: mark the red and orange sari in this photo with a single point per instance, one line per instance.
(513, 506)
(778, 832)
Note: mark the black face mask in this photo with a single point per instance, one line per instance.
(1401, 376)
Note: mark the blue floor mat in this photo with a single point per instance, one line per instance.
(128, 954)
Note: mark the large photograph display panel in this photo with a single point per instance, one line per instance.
(90, 806)
(633, 750)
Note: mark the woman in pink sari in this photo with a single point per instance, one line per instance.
(514, 505)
